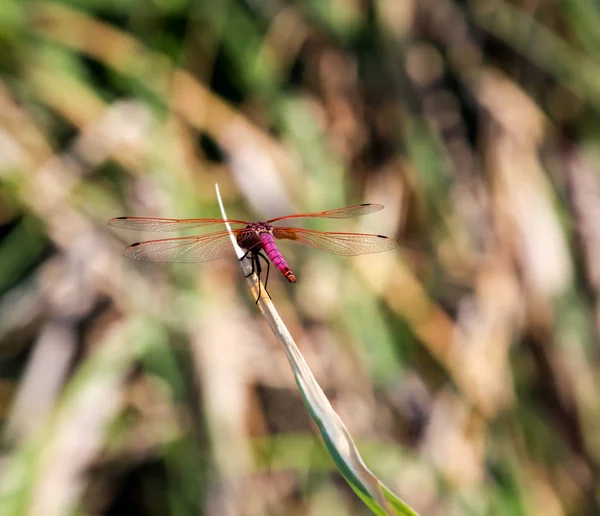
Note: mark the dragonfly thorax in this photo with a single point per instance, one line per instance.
(249, 237)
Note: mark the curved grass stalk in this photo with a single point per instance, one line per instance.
(378, 497)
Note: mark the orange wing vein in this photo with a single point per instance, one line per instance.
(340, 213)
(164, 225)
(345, 244)
(190, 249)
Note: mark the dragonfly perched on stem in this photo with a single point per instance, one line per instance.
(256, 238)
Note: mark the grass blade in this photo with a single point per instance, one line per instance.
(378, 497)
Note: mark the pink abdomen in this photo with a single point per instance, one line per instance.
(270, 247)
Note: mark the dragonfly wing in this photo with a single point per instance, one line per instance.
(190, 249)
(339, 213)
(164, 225)
(345, 244)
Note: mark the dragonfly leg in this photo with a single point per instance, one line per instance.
(255, 256)
(252, 252)
(246, 254)
(256, 260)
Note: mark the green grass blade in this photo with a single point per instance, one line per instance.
(338, 441)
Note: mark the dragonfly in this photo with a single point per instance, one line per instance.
(257, 239)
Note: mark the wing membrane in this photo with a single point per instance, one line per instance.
(345, 244)
(340, 213)
(192, 249)
(164, 225)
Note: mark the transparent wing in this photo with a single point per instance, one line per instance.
(345, 244)
(164, 225)
(190, 249)
(340, 213)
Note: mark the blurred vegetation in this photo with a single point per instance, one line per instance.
(466, 364)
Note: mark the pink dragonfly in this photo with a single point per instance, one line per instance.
(254, 238)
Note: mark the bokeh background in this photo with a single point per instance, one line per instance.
(465, 365)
